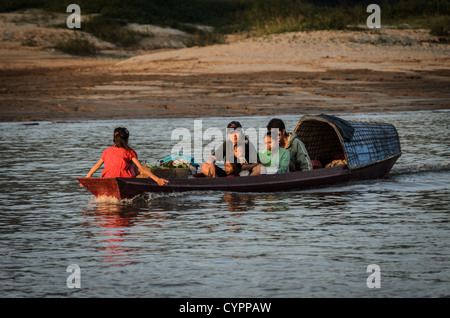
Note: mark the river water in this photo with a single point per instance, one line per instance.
(310, 243)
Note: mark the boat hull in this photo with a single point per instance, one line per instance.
(126, 188)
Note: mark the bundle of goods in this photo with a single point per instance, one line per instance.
(173, 166)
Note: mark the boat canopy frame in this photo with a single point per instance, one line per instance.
(363, 143)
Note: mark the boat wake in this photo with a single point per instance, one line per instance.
(420, 168)
(152, 196)
(143, 198)
(108, 200)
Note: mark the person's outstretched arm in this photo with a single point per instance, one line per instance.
(93, 169)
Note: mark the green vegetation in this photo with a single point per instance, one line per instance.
(440, 26)
(204, 38)
(76, 45)
(277, 16)
(111, 30)
(258, 17)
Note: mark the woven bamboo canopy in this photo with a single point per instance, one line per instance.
(362, 143)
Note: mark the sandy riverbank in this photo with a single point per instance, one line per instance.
(293, 73)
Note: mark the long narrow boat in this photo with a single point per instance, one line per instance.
(370, 150)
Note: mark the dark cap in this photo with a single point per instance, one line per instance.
(234, 125)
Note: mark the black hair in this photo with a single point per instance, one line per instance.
(120, 138)
(237, 167)
(276, 123)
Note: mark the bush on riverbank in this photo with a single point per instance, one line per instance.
(76, 45)
(258, 17)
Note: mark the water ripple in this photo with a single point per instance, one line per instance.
(310, 243)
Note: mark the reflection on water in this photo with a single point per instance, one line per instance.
(237, 202)
(310, 243)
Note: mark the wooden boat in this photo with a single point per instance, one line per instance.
(370, 150)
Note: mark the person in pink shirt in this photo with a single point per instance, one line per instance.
(121, 161)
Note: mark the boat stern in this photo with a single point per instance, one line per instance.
(101, 186)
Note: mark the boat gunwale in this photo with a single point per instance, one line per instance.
(132, 187)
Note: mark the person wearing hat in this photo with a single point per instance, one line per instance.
(237, 148)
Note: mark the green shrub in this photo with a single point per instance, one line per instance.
(76, 45)
(111, 30)
(228, 16)
(204, 38)
(440, 26)
(12, 5)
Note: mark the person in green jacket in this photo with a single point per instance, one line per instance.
(299, 158)
(275, 158)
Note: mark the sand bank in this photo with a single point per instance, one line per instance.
(292, 73)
